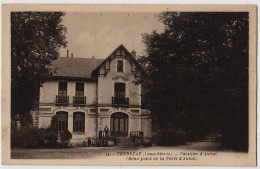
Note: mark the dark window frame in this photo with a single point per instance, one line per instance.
(79, 122)
(62, 121)
(63, 89)
(120, 90)
(120, 66)
(79, 92)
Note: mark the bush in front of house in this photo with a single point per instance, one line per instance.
(28, 137)
(54, 123)
(51, 137)
(65, 137)
(41, 137)
(147, 142)
(169, 137)
(33, 137)
(51, 133)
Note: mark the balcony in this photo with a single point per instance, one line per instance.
(117, 101)
(62, 100)
(79, 101)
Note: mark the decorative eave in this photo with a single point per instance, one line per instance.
(67, 78)
(95, 72)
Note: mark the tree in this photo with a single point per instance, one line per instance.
(198, 74)
(35, 41)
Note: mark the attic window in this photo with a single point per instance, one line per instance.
(120, 66)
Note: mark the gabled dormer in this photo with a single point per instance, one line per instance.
(122, 55)
(117, 76)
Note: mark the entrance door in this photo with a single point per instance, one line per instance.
(119, 124)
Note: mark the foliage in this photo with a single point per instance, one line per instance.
(35, 41)
(33, 137)
(41, 137)
(65, 137)
(198, 75)
(27, 120)
(169, 137)
(54, 123)
(51, 137)
(52, 132)
(28, 137)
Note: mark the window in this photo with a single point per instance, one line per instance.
(119, 90)
(62, 93)
(62, 121)
(120, 66)
(79, 96)
(62, 89)
(79, 122)
(79, 89)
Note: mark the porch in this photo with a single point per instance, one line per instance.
(110, 138)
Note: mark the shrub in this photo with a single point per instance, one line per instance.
(147, 142)
(84, 143)
(41, 137)
(27, 120)
(33, 137)
(65, 137)
(169, 137)
(54, 123)
(51, 137)
(27, 137)
(15, 140)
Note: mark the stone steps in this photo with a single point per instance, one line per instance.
(124, 142)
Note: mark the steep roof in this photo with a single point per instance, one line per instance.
(69, 68)
(74, 67)
(129, 55)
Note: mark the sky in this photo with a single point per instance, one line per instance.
(98, 34)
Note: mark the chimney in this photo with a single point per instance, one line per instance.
(72, 55)
(67, 53)
(133, 53)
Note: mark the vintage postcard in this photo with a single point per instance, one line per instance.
(129, 85)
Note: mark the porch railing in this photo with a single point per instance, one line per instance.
(136, 135)
(108, 135)
(117, 101)
(62, 99)
(79, 100)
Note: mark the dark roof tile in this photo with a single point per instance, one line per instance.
(75, 67)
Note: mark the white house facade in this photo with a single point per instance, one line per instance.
(88, 94)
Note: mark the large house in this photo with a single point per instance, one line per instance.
(88, 94)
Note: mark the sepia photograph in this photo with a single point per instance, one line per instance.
(131, 86)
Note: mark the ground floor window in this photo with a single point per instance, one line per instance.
(79, 122)
(62, 121)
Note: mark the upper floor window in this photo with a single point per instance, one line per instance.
(79, 89)
(120, 66)
(119, 90)
(62, 89)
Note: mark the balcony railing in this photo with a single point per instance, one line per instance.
(79, 101)
(117, 101)
(62, 99)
